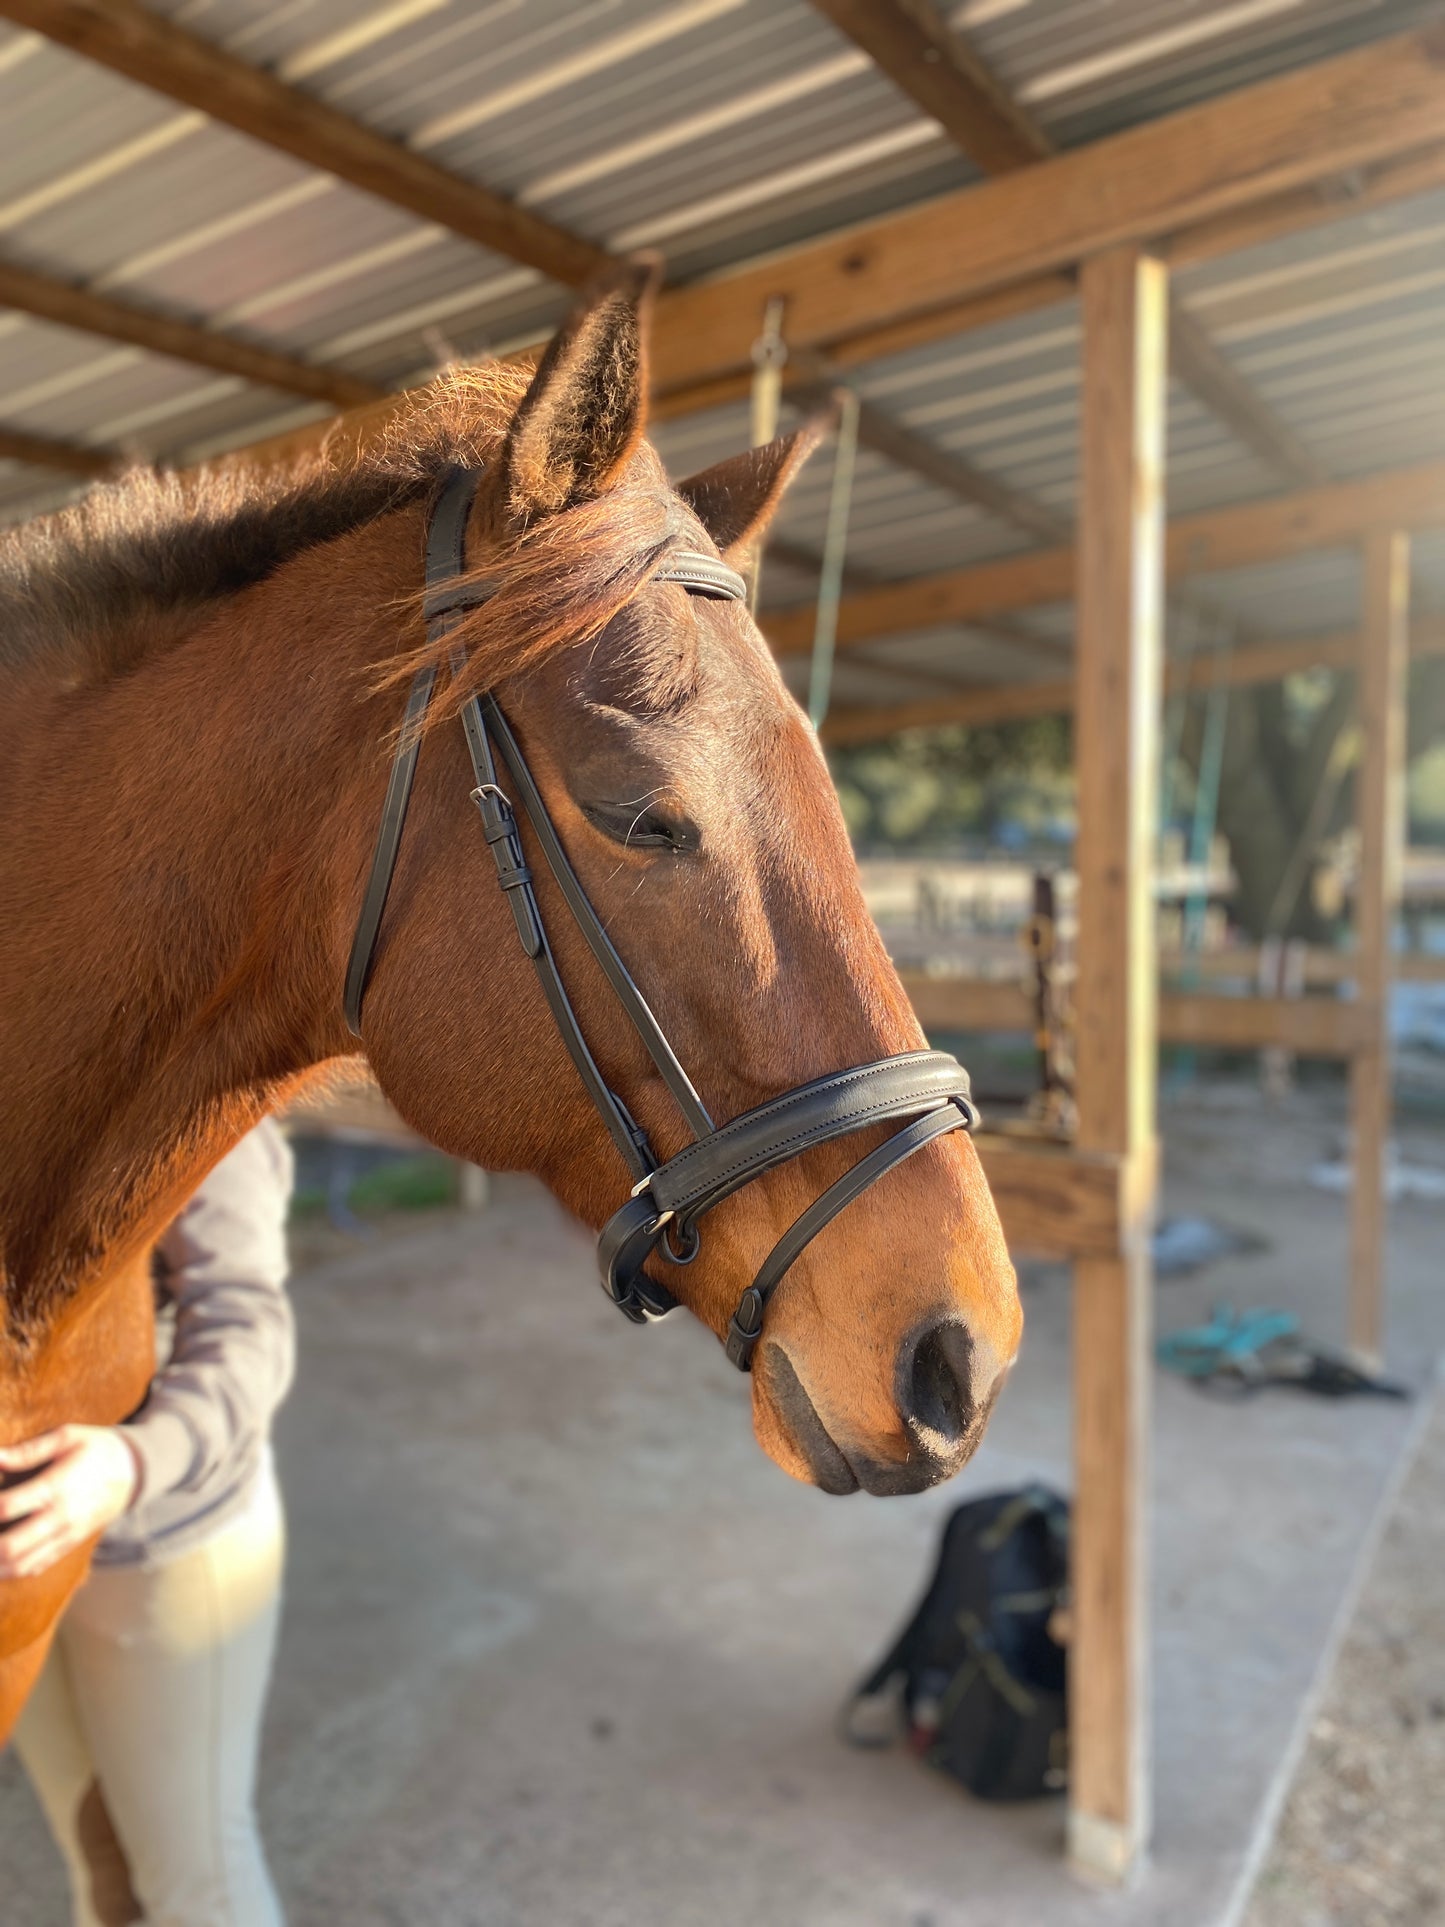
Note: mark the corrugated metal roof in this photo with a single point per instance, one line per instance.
(607, 117)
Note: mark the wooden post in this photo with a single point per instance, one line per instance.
(1120, 588)
(1381, 679)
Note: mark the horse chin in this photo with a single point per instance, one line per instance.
(791, 1432)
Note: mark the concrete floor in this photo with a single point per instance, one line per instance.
(562, 1647)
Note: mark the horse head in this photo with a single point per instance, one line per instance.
(695, 805)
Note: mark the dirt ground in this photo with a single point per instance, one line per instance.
(1362, 1839)
(562, 1649)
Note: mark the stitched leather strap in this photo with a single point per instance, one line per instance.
(445, 547)
(747, 1323)
(830, 1107)
(928, 1086)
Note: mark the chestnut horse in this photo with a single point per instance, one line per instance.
(202, 704)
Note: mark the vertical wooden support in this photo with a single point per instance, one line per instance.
(1381, 680)
(1119, 676)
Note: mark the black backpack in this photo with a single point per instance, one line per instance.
(981, 1662)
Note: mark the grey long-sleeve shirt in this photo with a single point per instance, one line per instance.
(228, 1353)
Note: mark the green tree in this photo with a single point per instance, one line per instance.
(927, 788)
(1287, 786)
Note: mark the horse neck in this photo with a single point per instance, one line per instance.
(182, 849)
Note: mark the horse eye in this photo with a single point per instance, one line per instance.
(642, 826)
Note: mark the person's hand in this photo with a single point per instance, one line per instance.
(90, 1477)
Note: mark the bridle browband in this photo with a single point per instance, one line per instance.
(926, 1090)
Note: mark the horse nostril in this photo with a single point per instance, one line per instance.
(935, 1386)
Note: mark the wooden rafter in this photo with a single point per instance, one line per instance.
(937, 68)
(1295, 211)
(146, 47)
(953, 474)
(98, 314)
(66, 458)
(1009, 702)
(1227, 538)
(1225, 393)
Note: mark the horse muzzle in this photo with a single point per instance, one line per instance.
(944, 1388)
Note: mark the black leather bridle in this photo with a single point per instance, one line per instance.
(928, 1090)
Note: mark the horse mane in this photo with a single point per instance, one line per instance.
(93, 590)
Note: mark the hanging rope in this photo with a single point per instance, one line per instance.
(1189, 620)
(1206, 790)
(835, 553)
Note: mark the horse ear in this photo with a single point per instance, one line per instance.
(736, 499)
(582, 417)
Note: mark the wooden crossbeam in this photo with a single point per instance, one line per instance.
(1231, 538)
(1010, 702)
(1294, 211)
(160, 334)
(938, 69)
(1226, 394)
(1378, 103)
(1309, 1026)
(146, 47)
(954, 474)
(1057, 1201)
(66, 458)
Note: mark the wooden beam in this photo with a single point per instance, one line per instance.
(66, 458)
(940, 72)
(1120, 621)
(1231, 538)
(72, 306)
(981, 707)
(1381, 689)
(147, 47)
(1225, 393)
(1377, 103)
(1055, 1200)
(1007, 702)
(1274, 216)
(1297, 210)
(1321, 968)
(969, 1003)
(1308, 1026)
(954, 474)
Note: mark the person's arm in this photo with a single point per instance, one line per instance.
(234, 1354)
